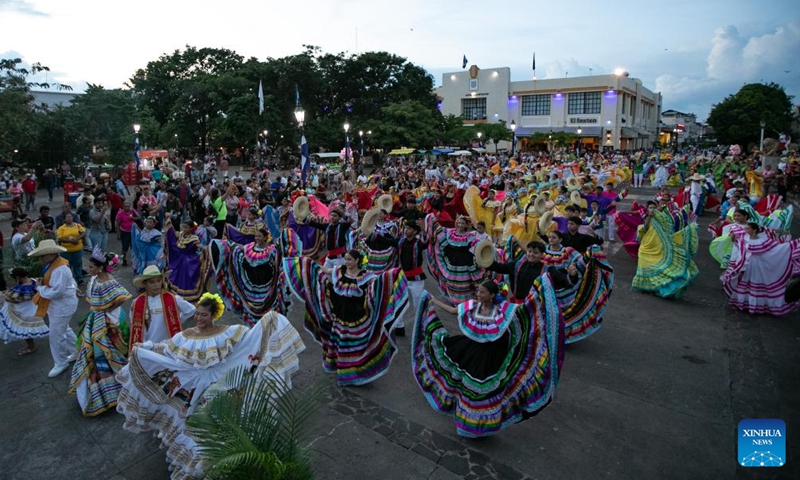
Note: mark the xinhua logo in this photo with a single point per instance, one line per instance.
(762, 442)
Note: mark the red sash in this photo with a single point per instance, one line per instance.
(413, 272)
(335, 253)
(140, 312)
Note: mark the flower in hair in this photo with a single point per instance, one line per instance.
(216, 299)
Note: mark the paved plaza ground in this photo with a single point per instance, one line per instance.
(656, 393)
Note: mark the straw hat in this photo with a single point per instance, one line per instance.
(575, 198)
(369, 221)
(540, 204)
(46, 247)
(385, 202)
(449, 172)
(697, 178)
(484, 253)
(300, 208)
(149, 272)
(545, 222)
(572, 183)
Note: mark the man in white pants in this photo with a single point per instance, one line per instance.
(411, 250)
(57, 297)
(696, 190)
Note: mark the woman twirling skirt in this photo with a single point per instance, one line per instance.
(489, 381)
(350, 317)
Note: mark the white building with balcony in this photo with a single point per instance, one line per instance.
(612, 111)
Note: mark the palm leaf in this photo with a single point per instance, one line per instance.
(251, 427)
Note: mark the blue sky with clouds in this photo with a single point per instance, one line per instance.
(694, 52)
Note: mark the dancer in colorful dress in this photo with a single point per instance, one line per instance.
(246, 231)
(502, 369)
(187, 260)
(451, 260)
(584, 302)
(18, 320)
(665, 266)
(103, 342)
(165, 382)
(379, 241)
(351, 313)
(761, 264)
(157, 314)
(146, 246)
(722, 246)
(248, 277)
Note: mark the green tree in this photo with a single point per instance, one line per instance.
(736, 119)
(20, 119)
(495, 132)
(407, 124)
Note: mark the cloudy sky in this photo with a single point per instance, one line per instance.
(694, 52)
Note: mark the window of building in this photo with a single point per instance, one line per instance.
(473, 108)
(535, 105)
(584, 103)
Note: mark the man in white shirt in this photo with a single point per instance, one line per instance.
(57, 298)
(156, 315)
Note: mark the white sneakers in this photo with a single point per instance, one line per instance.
(59, 369)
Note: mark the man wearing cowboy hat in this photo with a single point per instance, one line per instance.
(57, 298)
(156, 314)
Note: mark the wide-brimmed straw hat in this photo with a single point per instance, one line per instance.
(484, 253)
(575, 198)
(385, 202)
(540, 204)
(573, 183)
(697, 177)
(300, 208)
(46, 247)
(369, 221)
(149, 272)
(545, 222)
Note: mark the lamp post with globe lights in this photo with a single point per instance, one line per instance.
(361, 138)
(578, 145)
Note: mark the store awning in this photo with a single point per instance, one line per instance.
(478, 149)
(585, 131)
(401, 151)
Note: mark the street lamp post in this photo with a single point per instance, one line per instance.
(300, 116)
(176, 141)
(513, 137)
(550, 141)
(361, 138)
(346, 143)
(480, 134)
(265, 142)
(136, 128)
(763, 124)
(578, 145)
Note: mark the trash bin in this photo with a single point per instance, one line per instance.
(73, 199)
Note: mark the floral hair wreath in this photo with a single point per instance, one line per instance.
(216, 299)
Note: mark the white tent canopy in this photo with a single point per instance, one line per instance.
(460, 153)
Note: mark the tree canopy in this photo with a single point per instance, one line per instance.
(736, 120)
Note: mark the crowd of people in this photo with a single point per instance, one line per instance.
(516, 247)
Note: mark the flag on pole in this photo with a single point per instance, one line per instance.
(136, 152)
(305, 165)
(260, 98)
(534, 61)
(464, 62)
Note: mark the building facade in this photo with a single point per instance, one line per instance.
(678, 127)
(611, 111)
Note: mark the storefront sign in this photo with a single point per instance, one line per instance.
(579, 120)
